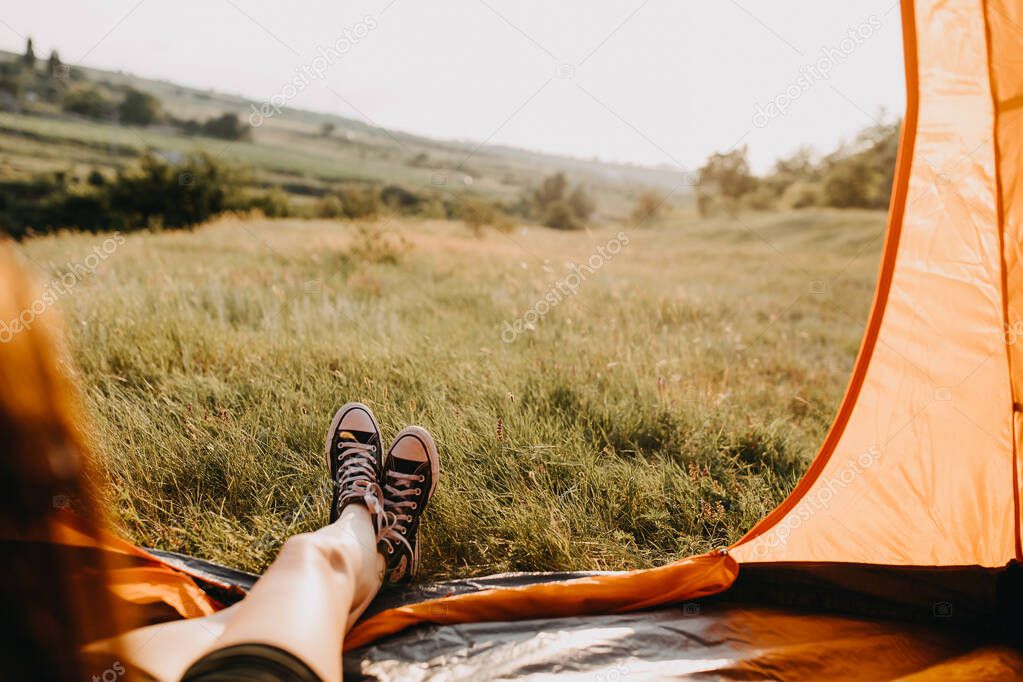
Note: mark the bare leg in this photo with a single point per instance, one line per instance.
(313, 593)
(309, 597)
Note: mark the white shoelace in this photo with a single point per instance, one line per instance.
(397, 504)
(357, 481)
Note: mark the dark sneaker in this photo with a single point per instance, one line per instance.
(354, 459)
(411, 470)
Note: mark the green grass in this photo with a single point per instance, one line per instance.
(660, 411)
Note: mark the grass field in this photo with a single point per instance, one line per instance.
(658, 411)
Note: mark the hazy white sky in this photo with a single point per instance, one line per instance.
(651, 81)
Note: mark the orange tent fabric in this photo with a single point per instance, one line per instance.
(920, 465)
(138, 577)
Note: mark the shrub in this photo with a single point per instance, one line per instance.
(138, 108)
(649, 206)
(89, 102)
(581, 203)
(727, 174)
(359, 202)
(553, 205)
(478, 212)
(373, 245)
(400, 199)
(351, 203)
(801, 195)
(179, 195)
(226, 127)
(561, 216)
(273, 203)
(762, 198)
(849, 184)
(330, 206)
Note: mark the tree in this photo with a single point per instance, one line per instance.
(89, 102)
(226, 127)
(327, 129)
(29, 59)
(53, 65)
(561, 216)
(551, 189)
(860, 175)
(648, 207)
(799, 167)
(581, 203)
(555, 206)
(726, 175)
(852, 183)
(139, 108)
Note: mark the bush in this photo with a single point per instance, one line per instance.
(226, 127)
(400, 199)
(801, 195)
(138, 108)
(581, 203)
(849, 184)
(762, 198)
(359, 202)
(561, 216)
(554, 206)
(330, 206)
(649, 206)
(856, 175)
(89, 102)
(726, 175)
(475, 212)
(373, 245)
(156, 193)
(177, 195)
(273, 204)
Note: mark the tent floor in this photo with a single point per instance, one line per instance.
(714, 638)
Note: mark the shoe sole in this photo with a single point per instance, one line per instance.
(338, 416)
(431, 454)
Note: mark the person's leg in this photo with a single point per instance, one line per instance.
(309, 597)
(321, 582)
(313, 593)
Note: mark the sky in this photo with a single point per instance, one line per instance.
(644, 81)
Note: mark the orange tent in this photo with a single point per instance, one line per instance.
(912, 505)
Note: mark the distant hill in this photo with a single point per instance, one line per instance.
(291, 149)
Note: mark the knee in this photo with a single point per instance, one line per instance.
(314, 549)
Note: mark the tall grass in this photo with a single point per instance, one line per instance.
(660, 411)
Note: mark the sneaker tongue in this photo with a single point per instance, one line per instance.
(407, 466)
(356, 436)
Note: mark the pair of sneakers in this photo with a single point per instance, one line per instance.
(395, 487)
